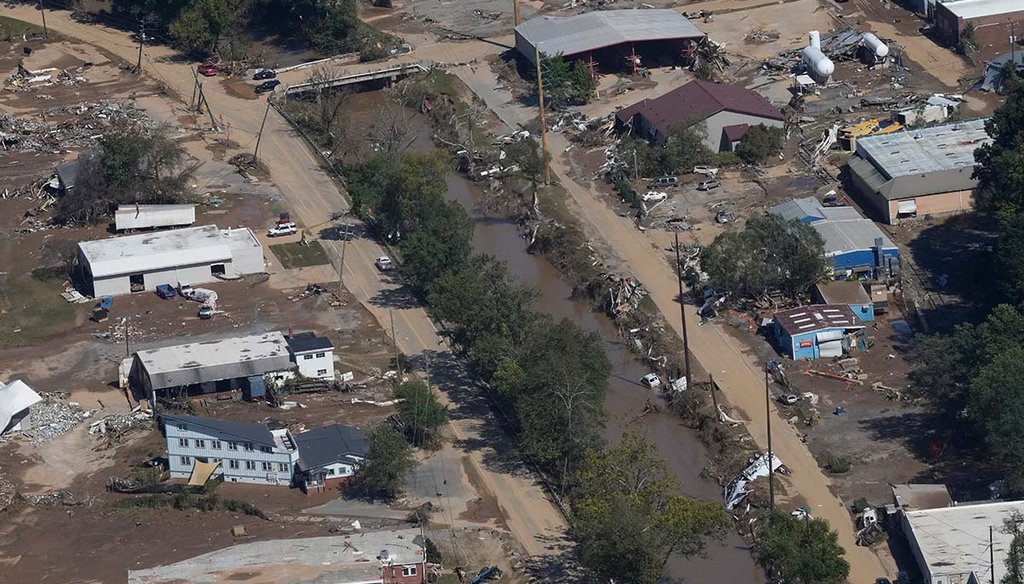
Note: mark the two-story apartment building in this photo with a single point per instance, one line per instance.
(247, 452)
(313, 355)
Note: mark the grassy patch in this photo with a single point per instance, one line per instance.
(33, 310)
(12, 27)
(185, 501)
(300, 255)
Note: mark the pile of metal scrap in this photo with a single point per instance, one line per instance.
(26, 79)
(116, 424)
(711, 55)
(761, 35)
(53, 416)
(624, 294)
(757, 467)
(52, 498)
(87, 123)
(993, 79)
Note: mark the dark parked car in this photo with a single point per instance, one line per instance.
(267, 86)
(264, 74)
(165, 291)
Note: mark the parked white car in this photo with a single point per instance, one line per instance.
(706, 171)
(654, 196)
(651, 380)
(282, 229)
(384, 263)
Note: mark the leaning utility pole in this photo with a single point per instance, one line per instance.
(259, 136)
(42, 10)
(142, 41)
(771, 457)
(543, 127)
(682, 316)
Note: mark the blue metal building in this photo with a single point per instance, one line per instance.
(857, 248)
(818, 331)
(848, 292)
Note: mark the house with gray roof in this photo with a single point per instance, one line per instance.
(243, 452)
(918, 172)
(854, 245)
(329, 456)
(608, 36)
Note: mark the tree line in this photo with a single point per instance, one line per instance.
(969, 376)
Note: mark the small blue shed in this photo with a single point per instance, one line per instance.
(818, 331)
(848, 292)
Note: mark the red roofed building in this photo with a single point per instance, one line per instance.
(724, 111)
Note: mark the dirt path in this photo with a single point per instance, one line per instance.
(736, 369)
(313, 197)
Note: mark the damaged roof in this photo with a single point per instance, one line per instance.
(843, 292)
(571, 35)
(697, 101)
(817, 317)
(210, 361)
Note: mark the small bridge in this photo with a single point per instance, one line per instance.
(390, 73)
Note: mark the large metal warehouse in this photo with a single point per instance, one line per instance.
(194, 255)
(993, 21)
(926, 171)
(654, 34)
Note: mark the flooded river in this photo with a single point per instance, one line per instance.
(676, 444)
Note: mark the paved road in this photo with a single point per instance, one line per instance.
(313, 198)
(736, 369)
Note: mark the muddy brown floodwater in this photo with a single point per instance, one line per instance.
(676, 444)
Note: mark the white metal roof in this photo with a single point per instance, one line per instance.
(15, 397)
(215, 360)
(954, 540)
(146, 216)
(967, 9)
(925, 150)
(570, 35)
(240, 238)
(155, 251)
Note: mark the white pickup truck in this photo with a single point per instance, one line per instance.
(202, 295)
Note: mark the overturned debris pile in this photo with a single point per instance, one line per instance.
(624, 295)
(53, 416)
(78, 127)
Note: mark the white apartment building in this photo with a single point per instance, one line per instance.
(247, 452)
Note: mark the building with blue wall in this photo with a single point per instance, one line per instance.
(818, 331)
(848, 292)
(855, 246)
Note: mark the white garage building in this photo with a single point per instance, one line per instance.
(194, 255)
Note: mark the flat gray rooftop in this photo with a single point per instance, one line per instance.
(154, 251)
(967, 9)
(240, 238)
(213, 353)
(318, 560)
(571, 35)
(925, 150)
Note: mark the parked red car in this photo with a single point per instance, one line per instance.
(208, 70)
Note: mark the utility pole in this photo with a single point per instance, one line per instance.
(127, 349)
(42, 10)
(259, 136)
(515, 11)
(344, 247)
(1013, 43)
(714, 397)
(682, 316)
(636, 176)
(199, 102)
(991, 556)
(771, 458)
(142, 41)
(394, 339)
(195, 91)
(543, 126)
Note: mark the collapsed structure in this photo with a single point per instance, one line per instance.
(611, 37)
(926, 171)
(193, 255)
(16, 400)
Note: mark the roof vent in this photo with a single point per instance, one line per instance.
(384, 555)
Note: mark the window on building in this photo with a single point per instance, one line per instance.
(233, 464)
(321, 355)
(282, 467)
(182, 427)
(408, 570)
(232, 445)
(250, 465)
(266, 466)
(307, 357)
(248, 447)
(321, 372)
(266, 449)
(186, 460)
(183, 442)
(215, 444)
(200, 443)
(330, 472)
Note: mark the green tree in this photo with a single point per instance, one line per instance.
(628, 518)
(1000, 164)
(768, 254)
(527, 154)
(760, 142)
(685, 148)
(440, 241)
(387, 465)
(996, 406)
(566, 83)
(421, 411)
(1014, 527)
(198, 28)
(797, 550)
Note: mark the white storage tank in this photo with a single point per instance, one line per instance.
(814, 39)
(875, 45)
(820, 66)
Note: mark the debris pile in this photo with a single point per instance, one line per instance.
(761, 35)
(624, 294)
(8, 494)
(52, 498)
(27, 80)
(79, 128)
(53, 416)
(757, 467)
(115, 424)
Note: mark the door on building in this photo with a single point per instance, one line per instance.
(137, 282)
(906, 209)
(218, 269)
(830, 344)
